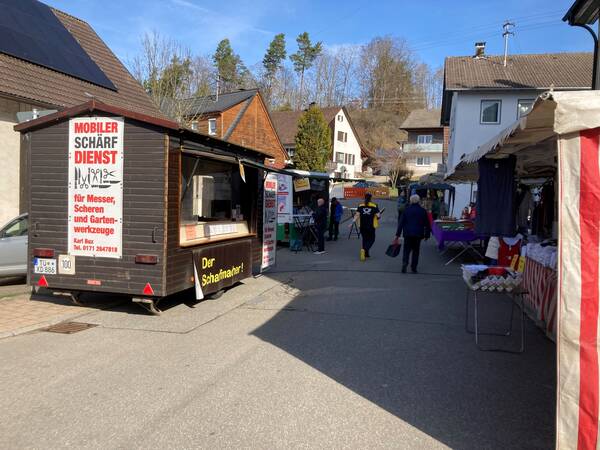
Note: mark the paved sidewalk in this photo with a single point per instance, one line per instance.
(21, 312)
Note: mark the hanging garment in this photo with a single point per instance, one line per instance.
(523, 211)
(508, 249)
(496, 197)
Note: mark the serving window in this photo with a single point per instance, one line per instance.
(213, 205)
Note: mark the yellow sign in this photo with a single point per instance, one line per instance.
(301, 184)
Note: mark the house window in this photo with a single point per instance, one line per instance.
(342, 136)
(340, 118)
(490, 111)
(212, 127)
(424, 139)
(194, 125)
(423, 161)
(524, 106)
(339, 158)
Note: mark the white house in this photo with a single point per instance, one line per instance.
(423, 150)
(346, 158)
(482, 97)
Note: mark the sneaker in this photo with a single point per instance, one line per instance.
(318, 252)
(362, 254)
(403, 269)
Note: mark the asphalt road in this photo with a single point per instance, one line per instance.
(323, 352)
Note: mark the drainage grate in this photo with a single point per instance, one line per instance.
(69, 327)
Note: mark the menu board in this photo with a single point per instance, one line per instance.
(284, 199)
(269, 221)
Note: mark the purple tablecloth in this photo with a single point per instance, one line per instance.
(442, 236)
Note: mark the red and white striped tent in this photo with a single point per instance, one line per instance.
(560, 138)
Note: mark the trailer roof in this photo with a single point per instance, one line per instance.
(97, 106)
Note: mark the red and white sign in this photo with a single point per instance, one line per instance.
(269, 221)
(96, 186)
(284, 198)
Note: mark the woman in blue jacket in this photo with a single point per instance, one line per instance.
(335, 217)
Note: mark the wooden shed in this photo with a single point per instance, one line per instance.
(125, 203)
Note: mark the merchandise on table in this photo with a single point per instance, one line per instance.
(491, 278)
(545, 254)
(455, 225)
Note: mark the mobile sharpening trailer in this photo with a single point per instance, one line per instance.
(125, 203)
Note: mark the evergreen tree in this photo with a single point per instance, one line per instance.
(304, 58)
(229, 66)
(275, 56)
(272, 62)
(313, 141)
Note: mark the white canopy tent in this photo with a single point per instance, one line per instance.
(560, 138)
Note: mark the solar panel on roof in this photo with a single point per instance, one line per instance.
(30, 31)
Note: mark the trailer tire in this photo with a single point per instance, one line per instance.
(217, 295)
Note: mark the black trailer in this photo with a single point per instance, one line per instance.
(125, 203)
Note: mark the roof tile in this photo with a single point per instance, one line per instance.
(558, 70)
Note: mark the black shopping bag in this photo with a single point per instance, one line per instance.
(393, 250)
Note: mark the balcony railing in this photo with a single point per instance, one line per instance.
(422, 148)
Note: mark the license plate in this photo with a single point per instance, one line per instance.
(44, 266)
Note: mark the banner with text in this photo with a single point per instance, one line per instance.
(96, 186)
(269, 221)
(284, 198)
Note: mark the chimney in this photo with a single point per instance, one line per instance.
(479, 50)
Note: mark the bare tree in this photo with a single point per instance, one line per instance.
(170, 75)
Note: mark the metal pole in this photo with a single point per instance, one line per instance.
(595, 69)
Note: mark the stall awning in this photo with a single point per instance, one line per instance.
(533, 137)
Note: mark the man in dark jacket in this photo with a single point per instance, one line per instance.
(414, 225)
(336, 211)
(320, 218)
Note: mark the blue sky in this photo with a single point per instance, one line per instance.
(433, 29)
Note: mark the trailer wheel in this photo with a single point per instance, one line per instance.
(217, 294)
(149, 304)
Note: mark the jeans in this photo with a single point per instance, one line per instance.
(368, 238)
(321, 239)
(411, 245)
(334, 229)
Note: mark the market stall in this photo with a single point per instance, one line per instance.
(428, 191)
(131, 204)
(557, 141)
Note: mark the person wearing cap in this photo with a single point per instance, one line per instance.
(367, 215)
(414, 226)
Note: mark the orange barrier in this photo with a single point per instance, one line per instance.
(354, 192)
(379, 191)
(376, 192)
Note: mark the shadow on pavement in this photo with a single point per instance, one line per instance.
(400, 342)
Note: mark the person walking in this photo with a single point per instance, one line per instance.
(336, 211)
(414, 226)
(320, 218)
(367, 215)
(401, 203)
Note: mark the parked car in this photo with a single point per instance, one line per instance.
(13, 247)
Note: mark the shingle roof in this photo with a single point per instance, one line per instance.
(38, 84)
(422, 118)
(561, 70)
(286, 122)
(210, 104)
